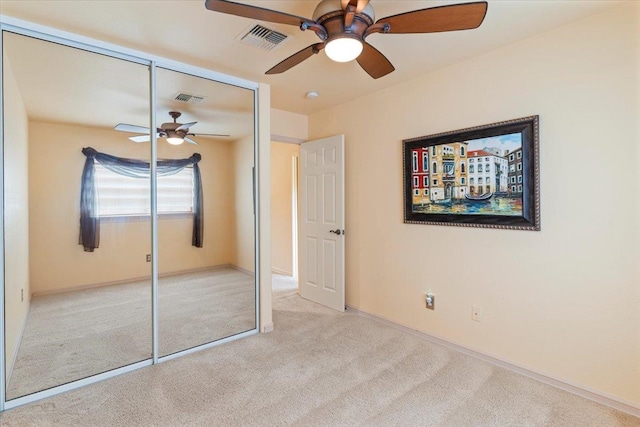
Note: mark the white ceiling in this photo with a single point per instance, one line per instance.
(187, 32)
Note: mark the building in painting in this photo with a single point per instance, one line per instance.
(515, 178)
(488, 172)
(448, 171)
(420, 175)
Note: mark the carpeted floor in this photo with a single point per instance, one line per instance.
(320, 368)
(72, 335)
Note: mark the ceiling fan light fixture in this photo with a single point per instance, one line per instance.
(343, 49)
(174, 138)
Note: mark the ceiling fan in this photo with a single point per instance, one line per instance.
(175, 133)
(343, 26)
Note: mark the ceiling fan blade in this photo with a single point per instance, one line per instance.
(351, 8)
(296, 58)
(254, 12)
(186, 126)
(123, 127)
(141, 138)
(437, 19)
(359, 4)
(190, 141)
(209, 134)
(348, 18)
(373, 62)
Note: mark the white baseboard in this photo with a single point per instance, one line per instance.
(571, 387)
(12, 362)
(136, 279)
(281, 272)
(244, 270)
(267, 328)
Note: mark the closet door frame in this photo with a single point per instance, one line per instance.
(49, 34)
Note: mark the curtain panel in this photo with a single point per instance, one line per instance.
(89, 217)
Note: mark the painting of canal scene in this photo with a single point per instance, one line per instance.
(485, 176)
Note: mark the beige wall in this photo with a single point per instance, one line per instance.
(282, 156)
(243, 162)
(264, 190)
(563, 301)
(289, 127)
(59, 262)
(16, 214)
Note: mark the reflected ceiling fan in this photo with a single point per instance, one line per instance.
(175, 133)
(343, 26)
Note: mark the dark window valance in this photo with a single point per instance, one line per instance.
(89, 218)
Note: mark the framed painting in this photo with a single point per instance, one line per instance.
(485, 176)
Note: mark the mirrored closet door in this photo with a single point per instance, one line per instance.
(94, 283)
(77, 226)
(206, 252)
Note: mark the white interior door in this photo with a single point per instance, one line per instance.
(321, 261)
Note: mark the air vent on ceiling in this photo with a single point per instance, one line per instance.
(262, 37)
(191, 99)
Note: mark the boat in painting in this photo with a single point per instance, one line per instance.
(479, 198)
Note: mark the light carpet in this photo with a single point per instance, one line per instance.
(72, 335)
(320, 368)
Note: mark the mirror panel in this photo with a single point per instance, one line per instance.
(206, 293)
(71, 312)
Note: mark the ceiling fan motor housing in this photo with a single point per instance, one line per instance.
(330, 15)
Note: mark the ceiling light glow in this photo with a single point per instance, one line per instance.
(174, 140)
(343, 49)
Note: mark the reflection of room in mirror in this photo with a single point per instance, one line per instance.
(71, 314)
(92, 330)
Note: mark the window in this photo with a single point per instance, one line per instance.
(425, 181)
(480, 180)
(463, 168)
(120, 195)
(416, 182)
(512, 168)
(511, 157)
(486, 159)
(433, 150)
(415, 161)
(471, 160)
(519, 179)
(462, 181)
(462, 150)
(435, 182)
(426, 192)
(479, 167)
(471, 181)
(434, 167)
(519, 154)
(519, 166)
(520, 188)
(425, 161)
(513, 179)
(416, 192)
(513, 188)
(471, 168)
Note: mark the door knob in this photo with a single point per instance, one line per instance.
(336, 231)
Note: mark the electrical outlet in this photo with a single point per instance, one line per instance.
(476, 313)
(430, 301)
(148, 257)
